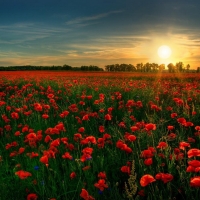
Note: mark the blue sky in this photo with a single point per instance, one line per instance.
(98, 32)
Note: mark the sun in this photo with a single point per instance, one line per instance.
(164, 51)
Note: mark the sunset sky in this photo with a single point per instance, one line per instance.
(98, 32)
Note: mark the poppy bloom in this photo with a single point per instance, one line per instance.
(15, 115)
(101, 129)
(67, 156)
(183, 145)
(85, 117)
(23, 174)
(85, 195)
(108, 117)
(32, 196)
(148, 161)
(147, 154)
(72, 175)
(126, 169)
(21, 150)
(195, 181)
(44, 159)
(193, 152)
(164, 177)
(102, 175)
(173, 115)
(131, 138)
(101, 184)
(45, 116)
(162, 145)
(194, 163)
(146, 180)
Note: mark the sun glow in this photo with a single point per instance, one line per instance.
(164, 51)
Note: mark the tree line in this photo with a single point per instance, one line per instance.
(140, 67)
(60, 68)
(148, 67)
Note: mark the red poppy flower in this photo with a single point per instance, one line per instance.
(81, 130)
(21, 150)
(72, 175)
(183, 145)
(195, 181)
(23, 174)
(173, 115)
(165, 177)
(126, 169)
(181, 120)
(194, 163)
(44, 159)
(148, 161)
(162, 145)
(45, 116)
(101, 129)
(32, 196)
(102, 175)
(85, 117)
(85, 195)
(193, 152)
(101, 184)
(131, 138)
(67, 156)
(150, 127)
(147, 154)
(146, 180)
(108, 117)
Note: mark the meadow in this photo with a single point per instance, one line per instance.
(103, 136)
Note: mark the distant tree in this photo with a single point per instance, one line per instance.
(171, 67)
(161, 67)
(188, 67)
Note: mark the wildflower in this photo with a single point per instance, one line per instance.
(193, 152)
(85, 117)
(36, 168)
(195, 181)
(183, 145)
(126, 169)
(101, 184)
(85, 195)
(131, 138)
(32, 196)
(72, 175)
(108, 117)
(148, 161)
(81, 130)
(194, 163)
(165, 177)
(67, 156)
(173, 115)
(150, 126)
(147, 154)
(146, 180)
(101, 129)
(45, 116)
(102, 175)
(162, 145)
(21, 150)
(44, 159)
(14, 115)
(23, 174)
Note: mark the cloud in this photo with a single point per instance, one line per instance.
(86, 20)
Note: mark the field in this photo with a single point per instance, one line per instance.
(103, 136)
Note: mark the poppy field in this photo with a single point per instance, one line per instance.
(103, 136)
